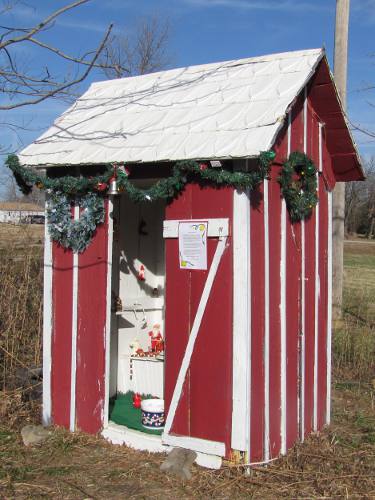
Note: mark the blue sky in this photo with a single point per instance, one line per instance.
(205, 31)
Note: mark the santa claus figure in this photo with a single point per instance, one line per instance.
(157, 344)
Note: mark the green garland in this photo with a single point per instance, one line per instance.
(300, 194)
(88, 191)
(183, 172)
(70, 233)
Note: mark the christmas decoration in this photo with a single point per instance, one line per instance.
(137, 400)
(70, 233)
(183, 172)
(113, 188)
(141, 273)
(157, 344)
(299, 185)
(87, 192)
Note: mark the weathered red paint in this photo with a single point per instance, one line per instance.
(208, 386)
(212, 357)
(274, 209)
(90, 370)
(177, 318)
(61, 348)
(257, 325)
(200, 396)
(293, 294)
(323, 302)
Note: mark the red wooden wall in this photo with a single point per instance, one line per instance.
(91, 317)
(271, 432)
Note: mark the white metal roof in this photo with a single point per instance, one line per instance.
(231, 109)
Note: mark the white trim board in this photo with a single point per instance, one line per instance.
(107, 341)
(119, 434)
(266, 325)
(215, 228)
(241, 323)
(47, 324)
(195, 444)
(73, 374)
(329, 312)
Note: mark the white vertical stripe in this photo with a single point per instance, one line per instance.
(320, 147)
(107, 338)
(47, 323)
(317, 294)
(74, 335)
(329, 312)
(241, 322)
(266, 326)
(302, 364)
(283, 310)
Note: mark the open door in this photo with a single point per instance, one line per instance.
(196, 307)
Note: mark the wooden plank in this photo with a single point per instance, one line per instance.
(212, 359)
(177, 315)
(275, 310)
(47, 325)
(329, 311)
(108, 321)
(323, 302)
(62, 286)
(241, 322)
(293, 294)
(92, 293)
(257, 326)
(73, 364)
(193, 335)
(216, 227)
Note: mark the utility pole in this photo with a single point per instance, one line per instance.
(340, 73)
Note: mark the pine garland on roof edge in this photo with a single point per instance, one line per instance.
(89, 192)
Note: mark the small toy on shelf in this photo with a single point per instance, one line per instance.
(141, 273)
(134, 347)
(157, 344)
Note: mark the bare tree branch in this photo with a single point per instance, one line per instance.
(145, 52)
(42, 24)
(63, 87)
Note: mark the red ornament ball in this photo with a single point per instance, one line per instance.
(101, 186)
(203, 166)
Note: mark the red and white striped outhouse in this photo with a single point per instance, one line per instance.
(247, 361)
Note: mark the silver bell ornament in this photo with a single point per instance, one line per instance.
(113, 188)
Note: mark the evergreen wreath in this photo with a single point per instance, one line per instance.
(300, 193)
(70, 233)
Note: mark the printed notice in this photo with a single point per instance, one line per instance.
(192, 244)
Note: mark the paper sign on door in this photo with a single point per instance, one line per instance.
(192, 245)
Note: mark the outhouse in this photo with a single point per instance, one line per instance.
(197, 287)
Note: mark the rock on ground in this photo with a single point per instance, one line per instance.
(34, 434)
(179, 462)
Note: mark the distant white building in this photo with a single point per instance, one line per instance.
(21, 213)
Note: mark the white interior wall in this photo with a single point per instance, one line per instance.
(140, 242)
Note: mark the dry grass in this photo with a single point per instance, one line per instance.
(21, 308)
(354, 342)
(337, 463)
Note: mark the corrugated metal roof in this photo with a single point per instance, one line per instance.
(231, 109)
